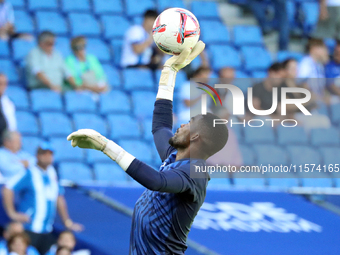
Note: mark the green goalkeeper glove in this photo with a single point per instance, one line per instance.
(172, 66)
(91, 139)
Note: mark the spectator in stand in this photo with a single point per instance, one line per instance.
(332, 70)
(138, 50)
(329, 20)
(190, 99)
(40, 198)
(12, 229)
(85, 68)
(280, 12)
(13, 160)
(226, 75)
(311, 68)
(66, 239)
(18, 244)
(46, 67)
(263, 91)
(6, 20)
(7, 109)
(230, 154)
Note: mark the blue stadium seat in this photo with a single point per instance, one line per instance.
(335, 113)
(143, 103)
(63, 45)
(296, 135)
(248, 155)
(116, 46)
(219, 183)
(75, 5)
(79, 102)
(23, 22)
(214, 31)
(270, 154)
(83, 24)
(300, 155)
(259, 76)
(112, 75)
(115, 101)
(205, 9)
(116, 31)
(99, 48)
(18, 3)
(4, 49)
(55, 124)
(19, 97)
(137, 7)
(330, 155)
(8, 68)
(243, 81)
(256, 58)
(165, 4)
(63, 151)
(30, 144)
(94, 156)
(123, 126)
(21, 48)
(51, 21)
(283, 182)
(248, 180)
(264, 134)
(76, 172)
(141, 150)
(138, 78)
(317, 182)
(323, 136)
(284, 55)
(218, 59)
(27, 123)
(46, 100)
(90, 121)
(247, 35)
(34, 5)
(107, 6)
(147, 127)
(109, 173)
(310, 11)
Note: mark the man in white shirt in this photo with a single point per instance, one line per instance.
(45, 66)
(329, 20)
(7, 109)
(137, 48)
(6, 20)
(13, 160)
(311, 68)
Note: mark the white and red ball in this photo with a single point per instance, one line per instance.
(175, 29)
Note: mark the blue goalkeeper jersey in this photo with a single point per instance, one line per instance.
(162, 220)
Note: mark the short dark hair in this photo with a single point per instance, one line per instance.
(23, 235)
(276, 67)
(215, 138)
(45, 34)
(150, 14)
(199, 70)
(61, 248)
(314, 42)
(287, 61)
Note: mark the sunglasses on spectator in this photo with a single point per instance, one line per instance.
(79, 47)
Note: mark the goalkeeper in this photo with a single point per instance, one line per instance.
(166, 210)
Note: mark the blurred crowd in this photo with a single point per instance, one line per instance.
(45, 68)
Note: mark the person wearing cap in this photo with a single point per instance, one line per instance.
(40, 197)
(13, 159)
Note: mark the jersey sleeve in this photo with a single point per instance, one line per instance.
(177, 180)
(19, 182)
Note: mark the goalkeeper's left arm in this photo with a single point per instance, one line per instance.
(171, 181)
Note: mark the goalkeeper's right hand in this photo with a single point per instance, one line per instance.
(172, 66)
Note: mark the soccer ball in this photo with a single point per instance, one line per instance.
(174, 30)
